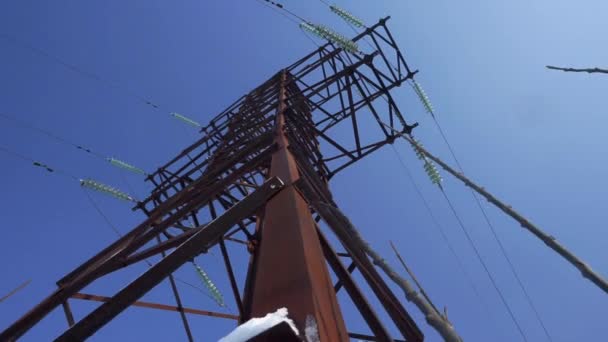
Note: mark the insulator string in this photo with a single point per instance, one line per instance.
(444, 235)
(429, 108)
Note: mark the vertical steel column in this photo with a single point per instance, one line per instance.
(289, 267)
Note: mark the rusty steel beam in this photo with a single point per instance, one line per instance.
(363, 337)
(278, 129)
(233, 284)
(369, 315)
(350, 270)
(290, 269)
(102, 299)
(178, 300)
(69, 316)
(194, 246)
(404, 322)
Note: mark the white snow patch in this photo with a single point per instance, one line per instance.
(255, 326)
(311, 331)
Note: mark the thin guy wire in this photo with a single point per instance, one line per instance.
(485, 267)
(442, 232)
(496, 238)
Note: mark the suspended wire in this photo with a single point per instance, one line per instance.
(480, 258)
(478, 255)
(50, 135)
(415, 280)
(85, 183)
(113, 161)
(82, 72)
(503, 251)
(38, 164)
(442, 232)
(485, 267)
(321, 31)
(15, 290)
(75, 68)
(102, 214)
(290, 18)
(280, 7)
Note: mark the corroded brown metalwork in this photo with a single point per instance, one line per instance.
(250, 181)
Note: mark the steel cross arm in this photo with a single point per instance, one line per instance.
(136, 241)
(210, 174)
(159, 248)
(76, 280)
(95, 298)
(206, 194)
(195, 245)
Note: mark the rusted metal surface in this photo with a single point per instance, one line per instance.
(194, 246)
(404, 322)
(102, 299)
(290, 267)
(292, 126)
(233, 283)
(369, 315)
(67, 310)
(178, 300)
(350, 270)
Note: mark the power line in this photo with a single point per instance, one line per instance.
(496, 237)
(442, 232)
(485, 267)
(75, 68)
(15, 290)
(549, 240)
(480, 259)
(37, 163)
(115, 162)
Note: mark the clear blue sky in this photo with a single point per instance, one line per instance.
(533, 137)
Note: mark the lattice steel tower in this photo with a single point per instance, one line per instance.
(261, 171)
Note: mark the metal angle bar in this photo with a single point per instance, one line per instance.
(397, 312)
(353, 115)
(368, 313)
(69, 316)
(233, 284)
(95, 298)
(368, 338)
(350, 270)
(185, 252)
(406, 325)
(178, 301)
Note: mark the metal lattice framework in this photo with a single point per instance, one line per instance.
(257, 176)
